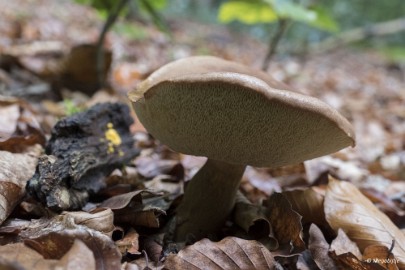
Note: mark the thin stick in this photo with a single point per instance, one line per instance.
(281, 27)
(360, 33)
(112, 17)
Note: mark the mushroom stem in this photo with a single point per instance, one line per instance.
(208, 200)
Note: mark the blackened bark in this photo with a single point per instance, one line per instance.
(82, 150)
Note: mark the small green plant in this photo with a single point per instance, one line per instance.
(130, 31)
(114, 9)
(275, 11)
(70, 107)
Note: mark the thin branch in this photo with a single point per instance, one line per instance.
(360, 33)
(112, 17)
(281, 28)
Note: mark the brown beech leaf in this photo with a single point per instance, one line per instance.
(347, 208)
(150, 167)
(285, 221)
(142, 263)
(342, 244)
(129, 208)
(350, 262)
(139, 216)
(78, 257)
(377, 254)
(18, 126)
(130, 243)
(230, 253)
(79, 70)
(319, 249)
(122, 200)
(53, 238)
(308, 203)
(250, 217)
(19, 256)
(153, 249)
(303, 262)
(15, 171)
(100, 219)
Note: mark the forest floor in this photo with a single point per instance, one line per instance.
(330, 223)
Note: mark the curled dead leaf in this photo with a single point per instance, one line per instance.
(150, 167)
(286, 223)
(53, 238)
(152, 248)
(78, 257)
(308, 203)
(19, 256)
(230, 253)
(19, 128)
(377, 254)
(350, 262)
(250, 217)
(319, 249)
(342, 244)
(99, 219)
(347, 208)
(130, 243)
(15, 171)
(129, 208)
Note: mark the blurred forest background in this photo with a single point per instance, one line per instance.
(60, 57)
(311, 22)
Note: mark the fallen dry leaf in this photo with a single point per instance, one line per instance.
(308, 203)
(53, 238)
(251, 219)
(150, 167)
(130, 243)
(350, 262)
(153, 249)
(15, 171)
(142, 263)
(319, 249)
(304, 261)
(129, 208)
(342, 244)
(230, 253)
(122, 200)
(285, 221)
(19, 256)
(79, 70)
(377, 254)
(100, 219)
(347, 208)
(19, 128)
(53, 245)
(78, 257)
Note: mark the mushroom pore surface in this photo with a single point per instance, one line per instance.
(239, 119)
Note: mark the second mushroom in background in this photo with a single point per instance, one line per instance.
(236, 116)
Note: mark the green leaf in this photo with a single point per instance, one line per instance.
(324, 20)
(158, 4)
(249, 12)
(395, 54)
(103, 6)
(289, 10)
(154, 14)
(130, 30)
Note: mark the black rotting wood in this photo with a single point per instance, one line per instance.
(82, 150)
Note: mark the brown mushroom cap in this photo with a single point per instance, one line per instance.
(229, 116)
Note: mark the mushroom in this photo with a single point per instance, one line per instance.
(236, 116)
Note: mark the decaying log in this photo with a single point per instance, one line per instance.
(82, 150)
